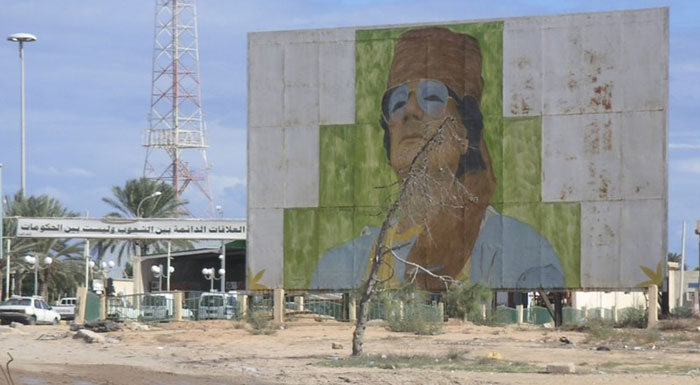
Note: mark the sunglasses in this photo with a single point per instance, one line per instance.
(432, 96)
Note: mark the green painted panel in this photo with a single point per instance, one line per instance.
(300, 246)
(561, 225)
(493, 134)
(373, 175)
(367, 217)
(522, 181)
(373, 59)
(334, 228)
(336, 166)
(529, 213)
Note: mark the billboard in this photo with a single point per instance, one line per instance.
(131, 228)
(542, 143)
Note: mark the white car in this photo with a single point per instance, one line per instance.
(29, 310)
(66, 308)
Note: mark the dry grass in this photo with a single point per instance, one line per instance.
(452, 361)
(688, 324)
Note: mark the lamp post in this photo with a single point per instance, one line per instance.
(159, 273)
(107, 266)
(210, 275)
(136, 265)
(222, 256)
(88, 262)
(33, 263)
(222, 270)
(2, 210)
(22, 38)
(138, 208)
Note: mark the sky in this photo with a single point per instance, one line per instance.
(88, 85)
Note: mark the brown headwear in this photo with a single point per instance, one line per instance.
(438, 53)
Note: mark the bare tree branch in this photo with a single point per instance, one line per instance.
(446, 279)
(429, 184)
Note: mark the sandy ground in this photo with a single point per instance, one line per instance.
(216, 352)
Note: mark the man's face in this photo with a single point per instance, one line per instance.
(415, 112)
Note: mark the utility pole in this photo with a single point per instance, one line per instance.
(681, 290)
(696, 300)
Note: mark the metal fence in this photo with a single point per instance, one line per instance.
(141, 307)
(197, 305)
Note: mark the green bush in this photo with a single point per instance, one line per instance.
(599, 329)
(406, 311)
(633, 317)
(464, 300)
(682, 312)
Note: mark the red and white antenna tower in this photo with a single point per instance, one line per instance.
(176, 122)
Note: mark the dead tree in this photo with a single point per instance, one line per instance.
(425, 187)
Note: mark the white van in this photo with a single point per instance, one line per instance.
(158, 306)
(211, 306)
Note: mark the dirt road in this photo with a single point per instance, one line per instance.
(219, 352)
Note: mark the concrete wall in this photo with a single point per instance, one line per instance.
(690, 284)
(123, 286)
(608, 300)
(575, 120)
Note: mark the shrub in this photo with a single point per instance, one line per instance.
(682, 312)
(463, 300)
(406, 311)
(260, 323)
(633, 318)
(416, 318)
(599, 329)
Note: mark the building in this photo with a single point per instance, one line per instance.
(188, 265)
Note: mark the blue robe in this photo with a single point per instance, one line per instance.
(508, 254)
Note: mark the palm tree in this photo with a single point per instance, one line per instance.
(141, 198)
(65, 252)
(676, 257)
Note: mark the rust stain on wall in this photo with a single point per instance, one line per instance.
(518, 105)
(592, 139)
(603, 96)
(607, 135)
(603, 190)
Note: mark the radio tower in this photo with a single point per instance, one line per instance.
(176, 122)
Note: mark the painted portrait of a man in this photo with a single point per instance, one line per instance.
(447, 223)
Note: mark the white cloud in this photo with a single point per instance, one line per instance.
(684, 146)
(691, 165)
(219, 183)
(687, 67)
(53, 171)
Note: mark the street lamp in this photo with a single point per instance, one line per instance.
(33, 263)
(210, 275)
(159, 273)
(22, 38)
(104, 268)
(138, 208)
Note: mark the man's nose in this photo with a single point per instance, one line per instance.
(413, 109)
